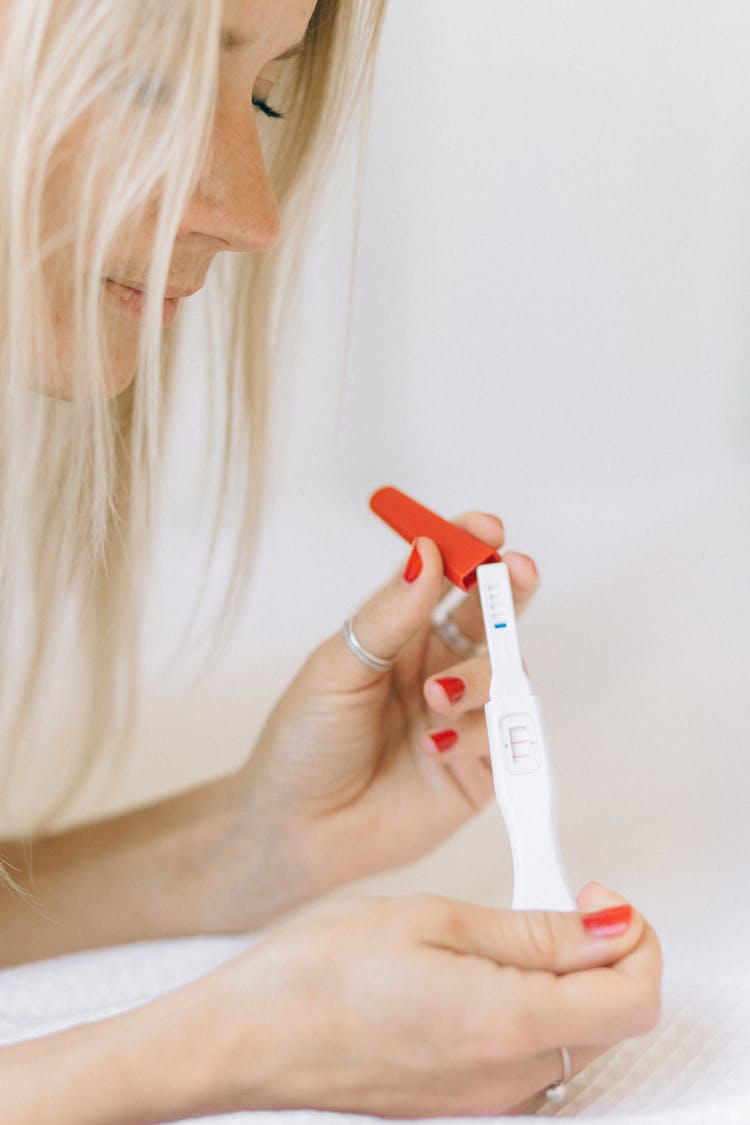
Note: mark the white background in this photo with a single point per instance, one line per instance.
(550, 321)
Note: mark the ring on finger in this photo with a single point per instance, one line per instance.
(377, 663)
(450, 634)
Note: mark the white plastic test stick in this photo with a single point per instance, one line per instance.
(521, 767)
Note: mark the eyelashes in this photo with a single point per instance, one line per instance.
(268, 110)
(152, 93)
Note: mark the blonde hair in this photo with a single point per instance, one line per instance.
(78, 478)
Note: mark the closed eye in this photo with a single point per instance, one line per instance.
(268, 110)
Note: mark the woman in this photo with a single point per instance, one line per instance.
(131, 158)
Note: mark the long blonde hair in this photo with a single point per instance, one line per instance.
(78, 478)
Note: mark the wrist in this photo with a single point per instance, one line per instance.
(299, 853)
(140, 1066)
(265, 867)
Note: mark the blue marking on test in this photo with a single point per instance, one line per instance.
(503, 626)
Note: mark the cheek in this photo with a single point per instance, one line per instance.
(120, 338)
(119, 333)
(127, 259)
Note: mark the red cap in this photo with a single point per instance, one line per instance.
(462, 553)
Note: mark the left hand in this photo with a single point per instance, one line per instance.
(346, 757)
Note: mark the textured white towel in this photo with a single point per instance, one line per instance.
(694, 1069)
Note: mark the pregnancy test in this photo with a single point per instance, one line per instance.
(521, 765)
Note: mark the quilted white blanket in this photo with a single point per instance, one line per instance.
(694, 1069)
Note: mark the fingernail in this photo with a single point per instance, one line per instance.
(453, 687)
(414, 565)
(610, 922)
(444, 739)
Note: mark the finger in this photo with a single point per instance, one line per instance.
(467, 616)
(524, 578)
(523, 571)
(386, 623)
(581, 986)
(601, 1005)
(462, 740)
(485, 526)
(646, 953)
(547, 941)
(459, 689)
(490, 529)
(594, 896)
(605, 1005)
(466, 612)
(473, 778)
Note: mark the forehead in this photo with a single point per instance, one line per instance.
(270, 25)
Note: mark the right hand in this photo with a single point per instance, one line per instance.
(416, 1007)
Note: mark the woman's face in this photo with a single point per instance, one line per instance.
(232, 208)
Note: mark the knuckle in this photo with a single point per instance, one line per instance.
(423, 911)
(447, 917)
(542, 938)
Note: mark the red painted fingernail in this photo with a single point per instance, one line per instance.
(609, 923)
(453, 687)
(414, 565)
(444, 739)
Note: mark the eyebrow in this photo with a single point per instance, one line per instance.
(230, 41)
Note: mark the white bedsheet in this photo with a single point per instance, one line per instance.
(694, 1069)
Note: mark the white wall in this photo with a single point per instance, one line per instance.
(553, 270)
(553, 254)
(550, 321)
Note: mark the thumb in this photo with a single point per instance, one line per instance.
(391, 618)
(542, 940)
(596, 897)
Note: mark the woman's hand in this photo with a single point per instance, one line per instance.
(423, 1006)
(405, 1007)
(349, 755)
(344, 781)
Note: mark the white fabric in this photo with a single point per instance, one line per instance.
(694, 1069)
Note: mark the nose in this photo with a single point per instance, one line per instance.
(233, 201)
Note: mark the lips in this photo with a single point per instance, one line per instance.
(133, 300)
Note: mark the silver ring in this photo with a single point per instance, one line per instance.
(449, 632)
(377, 663)
(557, 1090)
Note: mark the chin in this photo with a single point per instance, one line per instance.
(119, 381)
(63, 386)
